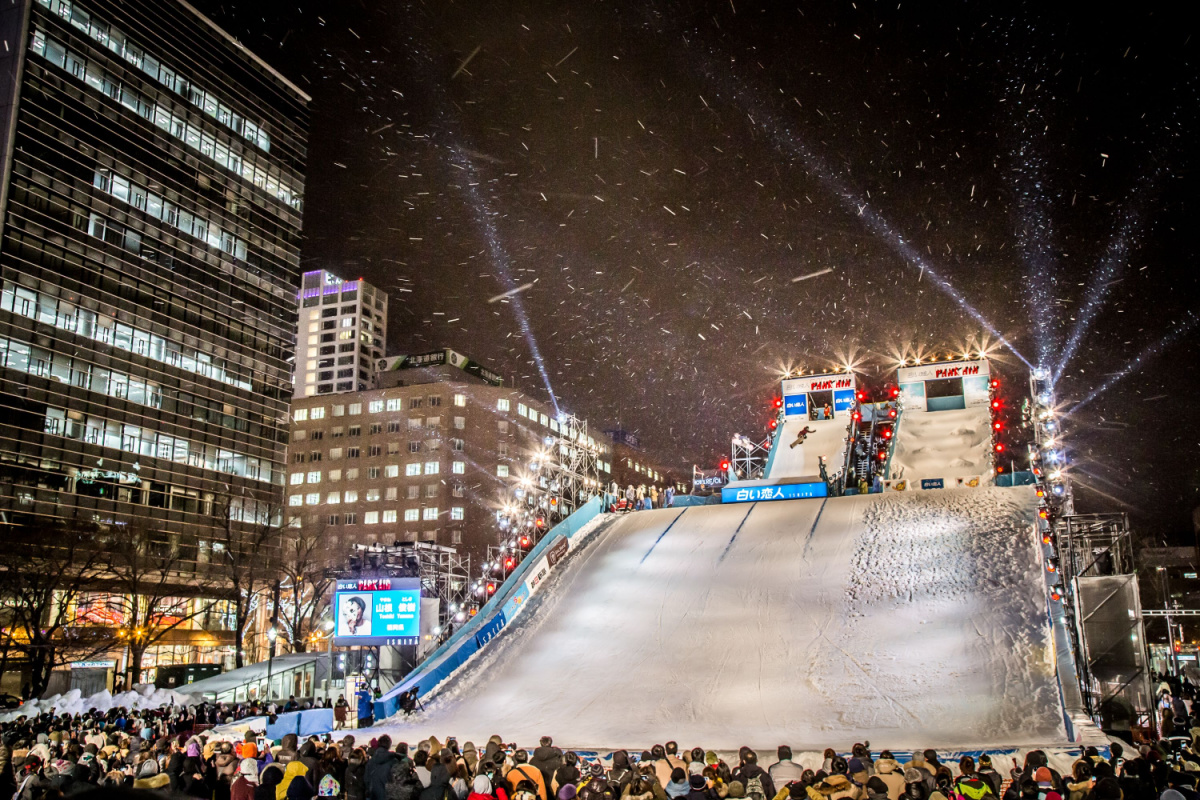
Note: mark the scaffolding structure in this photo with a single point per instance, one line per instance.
(572, 471)
(748, 458)
(1093, 554)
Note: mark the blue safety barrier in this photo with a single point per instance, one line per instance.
(494, 615)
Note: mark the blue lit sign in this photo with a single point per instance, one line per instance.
(795, 405)
(843, 400)
(933, 483)
(377, 611)
(787, 491)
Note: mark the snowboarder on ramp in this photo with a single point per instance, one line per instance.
(801, 436)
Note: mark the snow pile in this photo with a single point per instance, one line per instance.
(912, 620)
(143, 697)
(942, 444)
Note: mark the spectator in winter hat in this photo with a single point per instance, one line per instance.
(876, 789)
(481, 788)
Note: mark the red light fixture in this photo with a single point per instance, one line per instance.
(999, 447)
(895, 391)
(1046, 538)
(773, 424)
(995, 384)
(777, 402)
(491, 589)
(524, 542)
(882, 456)
(892, 413)
(1043, 513)
(725, 464)
(856, 416)
(997, 424)
(509, 564)
(995, 404)
(886, 433)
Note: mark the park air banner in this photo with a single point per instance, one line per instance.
(377, 611)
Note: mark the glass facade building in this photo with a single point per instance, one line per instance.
(150, 203)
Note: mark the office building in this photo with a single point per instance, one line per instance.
(151, 195)
(340, 334)
(431, 456)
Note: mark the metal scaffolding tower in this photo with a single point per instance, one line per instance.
(749, 458)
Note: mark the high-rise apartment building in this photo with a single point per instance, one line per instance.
(150, 201)
(432, 456)
(340, 334)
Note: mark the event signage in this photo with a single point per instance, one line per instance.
(377, 611)
(709, 478)
(948, 369)
(933, 483)
(787, 491)
(817, 383)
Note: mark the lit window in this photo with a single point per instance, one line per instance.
(300, 415)
(390, 494)
(391, 471)
(315, 476)
(389, 516)
(502, 404)
(375, 406)
(459, 467)
(433, 422)
(312, 499)
(456, 513)
(371, 518)
(296, 500)
(339, 410)
(411, 514)
(297, 478)
(333, 498)
(395, 404)
(317, 413)
(372, 495)
(351, 496)
(335, 474)
(355, 408)
(414, 423)
(502, 470)
(522, 409)
(460, 400)
(429, 513)
(460, 422)
(431, 467)
(412, 469)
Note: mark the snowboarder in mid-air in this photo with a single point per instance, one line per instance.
(800, 437)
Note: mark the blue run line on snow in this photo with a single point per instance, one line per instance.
(735, 533)
(661, 535)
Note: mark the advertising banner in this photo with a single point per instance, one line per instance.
(818, 383)
(946, 369)
(377, 611)
(843, 400)
(708, 478)
(787, 491)
(795, 405)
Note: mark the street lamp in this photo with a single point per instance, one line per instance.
(272, 635)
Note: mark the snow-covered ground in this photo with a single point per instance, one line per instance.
(803, 460)
(141, 698)
(943, 444)
(911, 620)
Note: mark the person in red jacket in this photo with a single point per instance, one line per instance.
(481, 789)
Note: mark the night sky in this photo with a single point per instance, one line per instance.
(663, 172)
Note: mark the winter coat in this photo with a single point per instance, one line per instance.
(748, 772)
(565, 775)
(241, 789)
(677, 789)
(300, 789)
(547, 759)
(268, 782)
(888, 771)
(523, 772)
(439, 785)
(354, 785)
(993, 778)
(376, 772)
(784, 772)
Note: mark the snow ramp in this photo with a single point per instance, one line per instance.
(948, 445)
(792, 459)
(912, 620)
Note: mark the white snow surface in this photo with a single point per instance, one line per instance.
(803, 460)
(912, 620)
(943, 444)
(143, 697)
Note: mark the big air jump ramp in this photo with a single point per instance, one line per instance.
(911, 620)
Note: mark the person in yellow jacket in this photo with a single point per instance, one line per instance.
(294, 770)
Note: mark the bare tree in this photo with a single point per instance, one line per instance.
(158, 584)
(305, 585)
(249, 554)
(44, 573)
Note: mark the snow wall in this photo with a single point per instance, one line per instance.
(912, 620)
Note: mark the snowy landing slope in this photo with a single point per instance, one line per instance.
(912, 620)
(942, 444)
(803, 460)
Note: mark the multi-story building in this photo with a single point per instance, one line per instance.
(340, 334)
(151, 192)
(431, 456)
